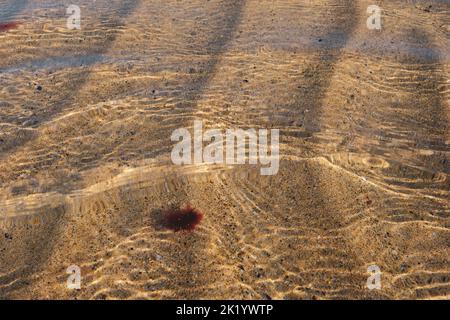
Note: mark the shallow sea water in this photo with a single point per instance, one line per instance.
(86, 118)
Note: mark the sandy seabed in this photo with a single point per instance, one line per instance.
(86, 118)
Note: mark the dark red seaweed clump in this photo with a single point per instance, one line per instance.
(5, 26)
(183, 219)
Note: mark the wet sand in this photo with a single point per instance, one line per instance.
(86, 118)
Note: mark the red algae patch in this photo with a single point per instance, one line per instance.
(6, 26)
(182, 219)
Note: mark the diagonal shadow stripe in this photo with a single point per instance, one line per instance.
(426, 123)
(332, 42)
(125, 9)
(44, 249)
(216, 46)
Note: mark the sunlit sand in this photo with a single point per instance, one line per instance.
(86, 177)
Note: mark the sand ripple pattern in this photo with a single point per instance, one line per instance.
(85, 173)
